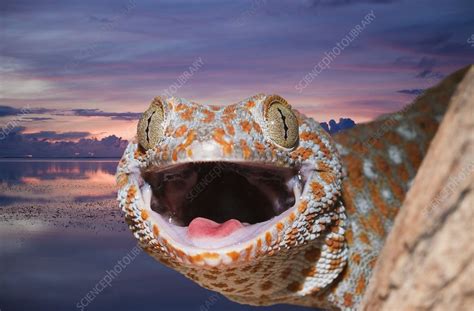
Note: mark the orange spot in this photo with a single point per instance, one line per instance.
(279, 226)
(187, 115)
(179, 253)
(328, 177)
(229, 109)
(354, 171)
(122, 180)
(188, 141)
(234, 255)
(382, 165)
(364, 238)
(209, 116)
(317, 190)
(259, 147)
(156, 231)
(259, 245)
(349, 236)
(144, 214)
(310, 136)
(132, 191)
(139, 152)
(375, 224)
(245, 149)
(210, 255)
(356, 258)
(309, 271)
(230, 129)
(175, 155)
(246, 126)
(268, 238)
(180, 131)
(292, 217)
(392, 137)
(372, 262)
(257, 127)
(250, 104)
(403, 173)
(414, 154)
(323, 166)
(180, 107)
(397, 190)
(218, 136)
(302, 152)
(378, 201)
(303, 206)
(348, 299)
(360, 287)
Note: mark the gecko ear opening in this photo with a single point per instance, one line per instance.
(150, 127)
(281, 122)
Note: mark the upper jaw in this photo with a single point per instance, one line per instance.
(202, 149)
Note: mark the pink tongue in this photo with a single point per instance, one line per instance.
(206, 228)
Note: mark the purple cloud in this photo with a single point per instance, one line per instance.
(411, 91)
(12, 111)
(112, 115)
(52, 135)
(19, 144)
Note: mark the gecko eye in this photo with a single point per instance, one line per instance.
(282, 125)
(150, 126)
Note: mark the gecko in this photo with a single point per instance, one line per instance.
(256, 201)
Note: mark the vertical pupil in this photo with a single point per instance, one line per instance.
(285, 126)
(147, 130)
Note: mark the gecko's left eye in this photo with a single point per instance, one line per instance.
(150, 127)
(281, 122)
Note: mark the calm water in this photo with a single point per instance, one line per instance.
(40, 181)
(53, 268)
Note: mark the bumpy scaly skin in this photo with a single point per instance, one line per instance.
(380, 160)
(297, 256)
(316, 255)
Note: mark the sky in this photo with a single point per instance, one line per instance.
(74, 70)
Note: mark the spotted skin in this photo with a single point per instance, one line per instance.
(322, 252)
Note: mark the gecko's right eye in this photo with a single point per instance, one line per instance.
(150, 127)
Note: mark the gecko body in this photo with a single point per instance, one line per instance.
(257, 202)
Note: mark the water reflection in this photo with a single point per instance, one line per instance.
(40, 181)
(30, 171)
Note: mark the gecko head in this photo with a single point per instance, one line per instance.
(205, 186)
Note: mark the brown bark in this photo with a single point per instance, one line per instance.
(427, 262)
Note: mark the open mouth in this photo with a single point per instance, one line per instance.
(216, 204)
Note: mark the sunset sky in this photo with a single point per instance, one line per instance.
(87, 69)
